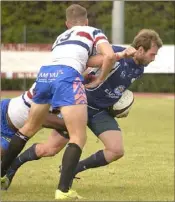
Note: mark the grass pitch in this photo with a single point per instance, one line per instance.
(145, 173)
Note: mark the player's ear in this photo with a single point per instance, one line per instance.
(141, 50)
(87, 22)
(67, 24)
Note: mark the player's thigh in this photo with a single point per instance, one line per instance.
(106, 128)
(56, 140)
(112, 140)
(38, 113)
(72, 103)
(75, 118)
(36, 118)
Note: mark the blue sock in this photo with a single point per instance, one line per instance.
(94, 161)
(27, 155)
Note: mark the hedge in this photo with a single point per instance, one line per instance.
(163, 83)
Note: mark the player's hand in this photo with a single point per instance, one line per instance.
(94, 83)
(127, 53)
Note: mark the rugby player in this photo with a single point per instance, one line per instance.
(59, 84)
(103, 125)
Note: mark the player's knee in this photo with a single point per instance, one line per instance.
(80, 140)
(117, 153)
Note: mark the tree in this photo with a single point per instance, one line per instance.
(153, 15)
(45, 20)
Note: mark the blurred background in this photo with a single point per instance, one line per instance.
(28, 29)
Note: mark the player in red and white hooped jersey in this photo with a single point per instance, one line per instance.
(59, 85)
(81, 42)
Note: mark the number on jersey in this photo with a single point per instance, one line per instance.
(62, 39)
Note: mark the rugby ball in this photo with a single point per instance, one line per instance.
(123, 105)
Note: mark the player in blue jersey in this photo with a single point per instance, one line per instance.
(125, 72)
(60, 85)
(100, 121)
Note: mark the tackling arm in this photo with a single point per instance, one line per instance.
(109, 58)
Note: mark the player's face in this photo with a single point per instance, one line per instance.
(148, 56)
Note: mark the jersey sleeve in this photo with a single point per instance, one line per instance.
(99, 37)
(117, 48)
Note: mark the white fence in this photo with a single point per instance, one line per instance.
(30, 61)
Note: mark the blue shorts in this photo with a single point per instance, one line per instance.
(100, 121)
(59, 85)
(6, 132)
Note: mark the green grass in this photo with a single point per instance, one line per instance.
(145, 173)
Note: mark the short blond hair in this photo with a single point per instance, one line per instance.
(145, 38)
(76, 14)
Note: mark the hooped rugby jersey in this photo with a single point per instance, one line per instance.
(74, 46)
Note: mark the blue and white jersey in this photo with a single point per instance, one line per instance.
(74, 46)
(122, 75)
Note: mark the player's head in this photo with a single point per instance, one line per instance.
(147, 43)
(76, 15)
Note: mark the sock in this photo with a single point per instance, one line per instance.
(94, 161)
(16, 145)
(70, 160)
(27, 155)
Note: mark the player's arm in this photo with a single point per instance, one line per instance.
(126, 53)
(54, 122)
(95, 61)
(109, 59)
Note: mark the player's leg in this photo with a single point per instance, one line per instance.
(54, 121)
(4, 144)
(6, 132)
(107, 130)
(74, 112)
(54, 144)
(113, 143)
(76, 125)
(37, 115)
(2, 152)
